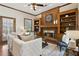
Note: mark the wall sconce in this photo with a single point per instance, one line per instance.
(55, 21)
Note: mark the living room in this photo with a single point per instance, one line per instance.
(39, 29)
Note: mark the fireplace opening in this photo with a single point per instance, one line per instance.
(49, 33)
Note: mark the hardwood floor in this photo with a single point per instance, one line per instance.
(3, 49)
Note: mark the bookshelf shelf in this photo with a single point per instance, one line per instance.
(68, 21)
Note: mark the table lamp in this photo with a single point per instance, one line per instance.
(72, 44)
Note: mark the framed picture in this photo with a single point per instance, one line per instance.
(49, 18)
(28, 24)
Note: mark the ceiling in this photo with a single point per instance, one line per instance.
(24, 7)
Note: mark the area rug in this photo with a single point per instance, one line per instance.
(52, 50)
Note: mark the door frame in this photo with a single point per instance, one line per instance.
(1, 29)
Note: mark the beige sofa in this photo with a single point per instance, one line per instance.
(28, 47)
(73, 34)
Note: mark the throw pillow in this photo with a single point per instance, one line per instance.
(19, 37)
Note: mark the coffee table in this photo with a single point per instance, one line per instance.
(50, 40)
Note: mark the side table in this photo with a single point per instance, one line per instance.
(72, 52)
(76, 50)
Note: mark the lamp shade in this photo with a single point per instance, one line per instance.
(72, 44)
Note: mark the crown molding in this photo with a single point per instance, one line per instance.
(16, 9)
(55, 7)
(31, 13)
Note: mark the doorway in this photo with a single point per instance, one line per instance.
(7, 26)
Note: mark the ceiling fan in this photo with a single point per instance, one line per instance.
(36, 4)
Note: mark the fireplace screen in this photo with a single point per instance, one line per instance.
(49, 33)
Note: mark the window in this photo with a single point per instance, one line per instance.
(28, 24)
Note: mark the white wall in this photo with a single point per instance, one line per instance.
(15, 14)
(78, 6)
(78, 15)
(68, 7)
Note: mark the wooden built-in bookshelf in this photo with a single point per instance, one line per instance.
(68, 20)
(36, 25)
